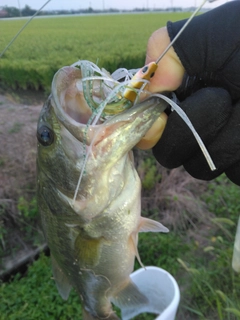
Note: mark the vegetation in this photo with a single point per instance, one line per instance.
(199, 258)
(201, 217)
(35, 297)
(51, 43)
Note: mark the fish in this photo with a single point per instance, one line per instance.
(93, 239)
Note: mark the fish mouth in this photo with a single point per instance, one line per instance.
(74, 112)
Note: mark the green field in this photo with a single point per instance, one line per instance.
(47, 44)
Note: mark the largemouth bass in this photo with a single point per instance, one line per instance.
(92, 240)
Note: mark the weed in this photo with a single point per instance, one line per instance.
(2, 162)
(213, 288)
(35, 297)
(27, 209)
(148, 170)
(161, 250)
(16, 127)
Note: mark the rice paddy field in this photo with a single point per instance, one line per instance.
(47, 44)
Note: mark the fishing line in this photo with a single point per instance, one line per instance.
(96, 115)
(185, 118)
(182, 29)
(15, 37)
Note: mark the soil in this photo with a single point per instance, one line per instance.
(18, 121)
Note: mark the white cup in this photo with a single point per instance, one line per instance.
(161, 289)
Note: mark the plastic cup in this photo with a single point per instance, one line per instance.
(161, 289)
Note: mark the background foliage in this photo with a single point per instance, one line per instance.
(202, 217)
(198, 257)
(47, 44)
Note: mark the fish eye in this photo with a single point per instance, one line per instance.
(45, 136)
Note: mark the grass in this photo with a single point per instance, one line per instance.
(35, 297)
(213, 288)
(210, 289)
(48, 44)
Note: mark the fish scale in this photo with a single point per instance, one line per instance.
(93, 240)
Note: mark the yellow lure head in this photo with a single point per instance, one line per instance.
(147, 72)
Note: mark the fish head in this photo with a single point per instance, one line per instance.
(65, 135)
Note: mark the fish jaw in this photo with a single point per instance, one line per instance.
(123, 131)
(118, 135)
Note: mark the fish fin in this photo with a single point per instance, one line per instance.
(129, 299)
(88, 316)
(133, 240)
(88, 250)
(149, 225)
(61, 280)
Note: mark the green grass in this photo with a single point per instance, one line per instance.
(48, 44)
(210, 289)
(35, 297)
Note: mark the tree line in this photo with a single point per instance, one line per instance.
(8, 12)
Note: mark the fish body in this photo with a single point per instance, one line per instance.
(93, 240)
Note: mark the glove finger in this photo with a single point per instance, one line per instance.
(208, 109)
(224, 150)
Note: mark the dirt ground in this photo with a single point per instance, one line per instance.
(18, 123)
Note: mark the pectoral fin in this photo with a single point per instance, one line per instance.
(148, 225)
(61, 280)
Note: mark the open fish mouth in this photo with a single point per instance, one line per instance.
(86, 121)
(95, 111)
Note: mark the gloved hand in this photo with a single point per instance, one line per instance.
(205, 74)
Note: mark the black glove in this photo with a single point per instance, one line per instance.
(218, 124)
(209, 50)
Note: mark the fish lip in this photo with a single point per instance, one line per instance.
(138, 116)
(138, 110)
(78, 129)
